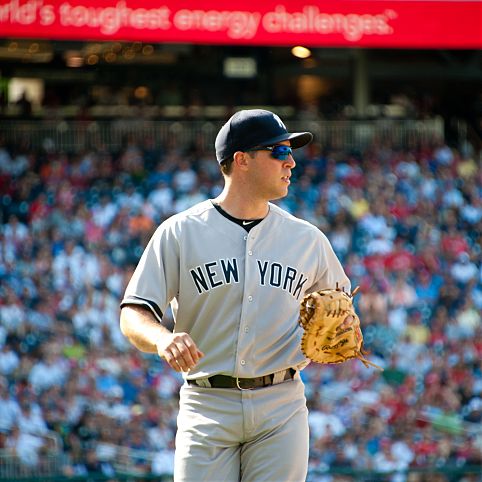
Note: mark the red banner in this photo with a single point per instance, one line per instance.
(376, 23)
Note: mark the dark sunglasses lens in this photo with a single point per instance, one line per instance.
(281, 152)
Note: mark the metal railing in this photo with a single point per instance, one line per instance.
(13, 467)
(444, 473)
(76, 136)
(48, 461)
(51, 465)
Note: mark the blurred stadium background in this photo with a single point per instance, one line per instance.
(108, 112)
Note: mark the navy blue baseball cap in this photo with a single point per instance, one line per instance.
(255, 128)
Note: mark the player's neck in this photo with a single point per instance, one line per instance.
(240, 206)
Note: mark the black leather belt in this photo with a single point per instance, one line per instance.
(223, 381)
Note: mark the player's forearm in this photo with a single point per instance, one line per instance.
(141, 328)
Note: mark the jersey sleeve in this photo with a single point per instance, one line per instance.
(155, 281)
(330, 271)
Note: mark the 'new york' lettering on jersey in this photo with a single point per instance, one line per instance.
(217, 273)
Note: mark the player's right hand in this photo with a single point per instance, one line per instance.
(179, 351)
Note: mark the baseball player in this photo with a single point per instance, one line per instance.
(234, 270)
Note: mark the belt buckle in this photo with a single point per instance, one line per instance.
(238, 385)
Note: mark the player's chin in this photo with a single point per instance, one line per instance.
(284, 187)
(281, 193)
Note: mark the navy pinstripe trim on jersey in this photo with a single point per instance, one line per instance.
(135, 300)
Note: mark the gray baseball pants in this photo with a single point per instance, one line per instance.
(231, 435)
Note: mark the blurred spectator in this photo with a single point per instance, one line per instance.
(163, 462)
(463, 270)
(51, 370)
(323, 419)
(25, 446)
(30, 418)
(9, 360)
(402, 294)
(161, 198)
(9, 408)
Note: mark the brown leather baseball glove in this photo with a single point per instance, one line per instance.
(328, 336)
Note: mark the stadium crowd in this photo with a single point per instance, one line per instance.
(406, 224)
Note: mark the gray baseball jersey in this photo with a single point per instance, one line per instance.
(237, 294)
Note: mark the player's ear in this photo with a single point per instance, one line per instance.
(241, 159)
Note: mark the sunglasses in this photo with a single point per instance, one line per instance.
(279, 152)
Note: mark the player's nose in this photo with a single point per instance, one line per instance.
(290, 162)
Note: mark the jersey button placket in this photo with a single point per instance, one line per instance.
(245, 335)
(250, 253)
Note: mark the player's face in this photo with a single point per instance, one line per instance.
(270, 176)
